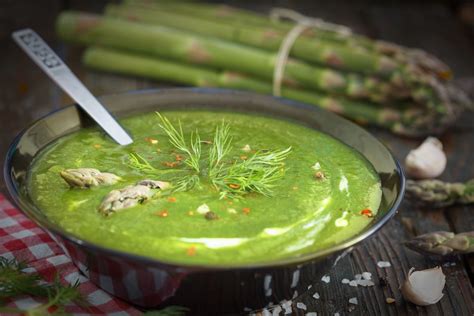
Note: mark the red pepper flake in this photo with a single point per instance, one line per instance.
(246, 210)
(234, 186)
(191, 251)
(367, 212)
(243, 157)
(172, 199)
(171, 164)
(319, 175)
(163, 213)
(97, 146)
(178, 157)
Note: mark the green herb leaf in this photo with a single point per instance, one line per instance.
(176, 138)
(14, 282)
(258, 173)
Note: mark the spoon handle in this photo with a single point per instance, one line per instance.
(56, 69)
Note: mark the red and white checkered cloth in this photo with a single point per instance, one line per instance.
(23, 240)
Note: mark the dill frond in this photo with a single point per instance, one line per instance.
(176, 138)
(256, 174)
(14, 282)
(136, 161)
(220, 148)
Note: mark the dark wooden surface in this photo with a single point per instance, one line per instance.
(26, 94)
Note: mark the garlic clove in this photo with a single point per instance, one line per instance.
(427, 161)
(424, 287)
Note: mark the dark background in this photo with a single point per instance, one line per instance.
(444, 28)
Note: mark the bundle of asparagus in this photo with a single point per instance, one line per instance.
(368, 81)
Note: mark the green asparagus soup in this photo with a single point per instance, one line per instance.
(213, 188)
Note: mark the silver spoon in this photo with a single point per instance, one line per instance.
(56, 69)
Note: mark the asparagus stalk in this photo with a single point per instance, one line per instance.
(122, 62)
(313, 50)
(170, 43)
(406, 82)
(443, 243)
(240, 18)
(436, 193)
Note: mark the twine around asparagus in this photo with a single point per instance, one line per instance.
(302, 23)
(436, 193)
(443, 243)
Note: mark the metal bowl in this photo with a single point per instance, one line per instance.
(205, 289)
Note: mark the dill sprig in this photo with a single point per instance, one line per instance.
(219, 149)
(258, 174)
(14, 282)
(136, 161)
(176, 138)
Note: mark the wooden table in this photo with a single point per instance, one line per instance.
(26, 94)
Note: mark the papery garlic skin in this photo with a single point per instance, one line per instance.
(424, 287)
(428, 161)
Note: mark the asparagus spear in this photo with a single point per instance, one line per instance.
(443, 243)
(239, 18)
(407, 82)
(314, 50)
(405, 121)
(436, 193)
(170, 43)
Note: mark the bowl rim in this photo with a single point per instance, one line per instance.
(54, 229)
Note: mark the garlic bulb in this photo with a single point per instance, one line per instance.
(427, 161)
(424, 287)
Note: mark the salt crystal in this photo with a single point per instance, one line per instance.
(358, 277)
(316, 295)
(383, 264)
(276, 311)
(301, 305)
(365, 283)
(341, 222)
(309, 286)
(326, 279)
(268, 292)
(367, 275)
(203, 209)
(247, 309)
(345, 281)
(246, 148)
(353, 300)
(296, 278)
(336, 314)
(353, 283)
(295, 294)
(316, 166)
(390, 300)
(312, 314)
(265, 312)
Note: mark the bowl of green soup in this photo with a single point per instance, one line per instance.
(226, 200)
